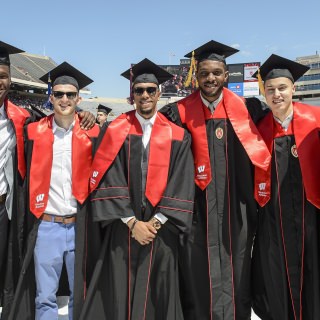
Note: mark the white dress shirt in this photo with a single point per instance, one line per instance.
(286, 122)
(61, 202)
(6, 136)
(211, 105)
(146, 125)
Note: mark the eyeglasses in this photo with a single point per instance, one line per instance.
(60, 94)
(151, 91)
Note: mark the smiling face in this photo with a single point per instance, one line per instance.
(64, 106)
(211, 76)
(146, 103)
(5, 82)
(278, 93)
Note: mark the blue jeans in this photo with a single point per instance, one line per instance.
(55, 244)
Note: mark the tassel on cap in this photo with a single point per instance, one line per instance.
(192, 70)
(261, 87)
(131, 94)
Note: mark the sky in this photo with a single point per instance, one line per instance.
(102, 38)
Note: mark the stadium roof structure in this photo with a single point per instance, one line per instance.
(26, 69)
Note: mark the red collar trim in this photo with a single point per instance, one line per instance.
(18, 117)
(193, 114)
(159, 159)
(306, 132)
(159, 154)
(110, 146)
(40, 170)
(250, 139)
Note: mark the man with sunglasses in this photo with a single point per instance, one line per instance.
(225, 144)
(142, 183)
(59, 230)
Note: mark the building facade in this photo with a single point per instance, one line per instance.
(308, 86)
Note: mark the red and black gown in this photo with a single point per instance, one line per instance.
(10, 263)
(216, 283)
(38, 150)
(286, 255)
(132, 281)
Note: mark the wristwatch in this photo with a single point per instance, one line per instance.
(155, 223)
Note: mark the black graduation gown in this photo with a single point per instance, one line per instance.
(133, 281)
(286, 255)
(9, 272)
(216, 284)
(88, 240)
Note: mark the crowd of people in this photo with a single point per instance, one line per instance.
(176, 85)
(27, 101)
(204, 210)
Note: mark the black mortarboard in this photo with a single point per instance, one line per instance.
(5, 51)
(104, 109)
(65, 73)
(147, 72)
(276, 67)
(212, 50)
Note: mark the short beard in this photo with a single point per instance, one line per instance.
(146, 112)
(210, 95)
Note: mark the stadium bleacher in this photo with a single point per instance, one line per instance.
(26, 69)
(26, 101)
(29, 67)
(118, 106)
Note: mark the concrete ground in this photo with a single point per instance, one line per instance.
(63, 314)
(63, 310)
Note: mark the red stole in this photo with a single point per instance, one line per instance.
(193, 114)
(159, 154)
(306, 132)
(18, 117)
(41, 162)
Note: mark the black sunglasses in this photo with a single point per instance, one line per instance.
(60, 94)
(151, 91)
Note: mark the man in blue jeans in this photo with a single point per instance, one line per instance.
(59, 155)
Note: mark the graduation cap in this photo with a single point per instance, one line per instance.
(104, 109)
(147, 72)
(212, 50)
(65, 73)
(5, 51)
(278, 67)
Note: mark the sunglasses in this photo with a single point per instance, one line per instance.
(151, 91)
(60, 94)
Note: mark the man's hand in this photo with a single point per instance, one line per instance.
(143, 232)
(87, 120)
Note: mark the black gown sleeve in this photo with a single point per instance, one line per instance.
(178, 199)
(111, 199)
(171, 112)
(257, 108)
(35, 114)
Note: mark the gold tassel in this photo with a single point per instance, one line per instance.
(191, 71)
(261, 87)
